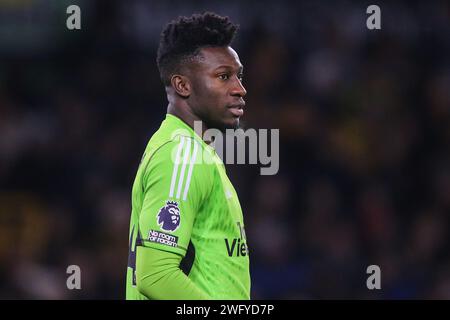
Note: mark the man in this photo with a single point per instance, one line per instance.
(182, 197)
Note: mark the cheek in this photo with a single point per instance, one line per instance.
(211, 98)
(209, 90)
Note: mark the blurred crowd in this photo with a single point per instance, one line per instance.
(364, 120)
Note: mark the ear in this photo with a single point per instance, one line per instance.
(181, 85)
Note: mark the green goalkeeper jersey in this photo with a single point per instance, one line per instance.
(182, 198)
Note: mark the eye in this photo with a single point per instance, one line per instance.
(241, 76)
(224, 76)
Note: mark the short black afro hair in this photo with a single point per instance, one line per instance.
(182, 39)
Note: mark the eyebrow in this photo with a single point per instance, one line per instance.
(240, 69)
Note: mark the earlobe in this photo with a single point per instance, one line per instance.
(181, 85)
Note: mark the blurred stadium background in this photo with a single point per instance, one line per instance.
(364, 119)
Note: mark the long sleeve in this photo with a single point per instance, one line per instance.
(158, 276)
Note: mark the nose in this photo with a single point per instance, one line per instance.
(238, 88)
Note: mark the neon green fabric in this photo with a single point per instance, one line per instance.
(182, 195)
(158, 276)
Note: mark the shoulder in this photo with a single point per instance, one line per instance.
(182, 158)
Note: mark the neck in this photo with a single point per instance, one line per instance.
(184, 112)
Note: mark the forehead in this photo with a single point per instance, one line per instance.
(215, 57)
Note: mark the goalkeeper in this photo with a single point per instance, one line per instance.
(183, 203)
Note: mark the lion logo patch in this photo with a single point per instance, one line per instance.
(169, 216)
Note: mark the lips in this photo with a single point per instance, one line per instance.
(237, 109)
(237, 112)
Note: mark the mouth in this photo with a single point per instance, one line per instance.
(237, 109)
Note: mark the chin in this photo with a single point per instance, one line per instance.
(233, 124)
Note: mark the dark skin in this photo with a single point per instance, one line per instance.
(209, 89)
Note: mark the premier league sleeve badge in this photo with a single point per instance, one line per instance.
(169, 216)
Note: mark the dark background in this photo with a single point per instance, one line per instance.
(364, 120)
